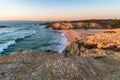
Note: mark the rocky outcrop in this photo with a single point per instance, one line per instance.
(107, 40)
(95, 25)
(90, 24)
(36, 65)
(104, 40)
(3, 26)
(73, 25)
(62, 26)
(79, 25)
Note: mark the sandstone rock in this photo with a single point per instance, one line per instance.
(56, 26)
(62, 26)
(78, 25)
(103, 40)
(95, 25)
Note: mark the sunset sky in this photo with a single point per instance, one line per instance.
(42, 10)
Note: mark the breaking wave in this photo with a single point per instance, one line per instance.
(6, 45)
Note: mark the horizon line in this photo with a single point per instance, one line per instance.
(61, 20)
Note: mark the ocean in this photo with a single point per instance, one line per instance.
(27, 35)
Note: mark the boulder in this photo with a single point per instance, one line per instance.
(3, 26)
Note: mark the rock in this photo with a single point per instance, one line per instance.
(73, 48)
(30, 65)
(99, 54)
(62, 26)
(95, 26)
(78, 25)
(3, 26)
(103, 40)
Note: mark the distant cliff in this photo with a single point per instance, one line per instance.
(86, 24)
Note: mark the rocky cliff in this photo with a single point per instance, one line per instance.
(87, 24)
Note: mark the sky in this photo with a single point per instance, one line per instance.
(50, 10)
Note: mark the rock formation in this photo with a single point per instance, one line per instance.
(62, 26)
(104, 40)
(3, 26)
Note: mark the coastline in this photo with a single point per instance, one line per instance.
(62, 43)
(67, 38)
(81, 63)
(73, 35)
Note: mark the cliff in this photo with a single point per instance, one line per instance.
(85, 24)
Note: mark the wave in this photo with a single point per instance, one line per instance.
(61, 44)
(16, 35)
(11, 30)
(6, 45)
(22, 37)
(5, 31)
(57, 44)
(8, 30)
(9, 43)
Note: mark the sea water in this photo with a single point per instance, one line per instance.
(27, 35)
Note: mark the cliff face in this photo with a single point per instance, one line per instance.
(70, 25)
(76, 25)
(62, 26)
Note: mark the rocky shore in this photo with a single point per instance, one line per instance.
(87, 57)
(3, 26)
(84, 24)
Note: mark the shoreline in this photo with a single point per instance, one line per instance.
(34, 64)
(62, 43)
(71, 35)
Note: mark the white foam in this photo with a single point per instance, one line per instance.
(6, 45)
(24, 34)
(17, 35)
(6, 30)
(62, 43)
